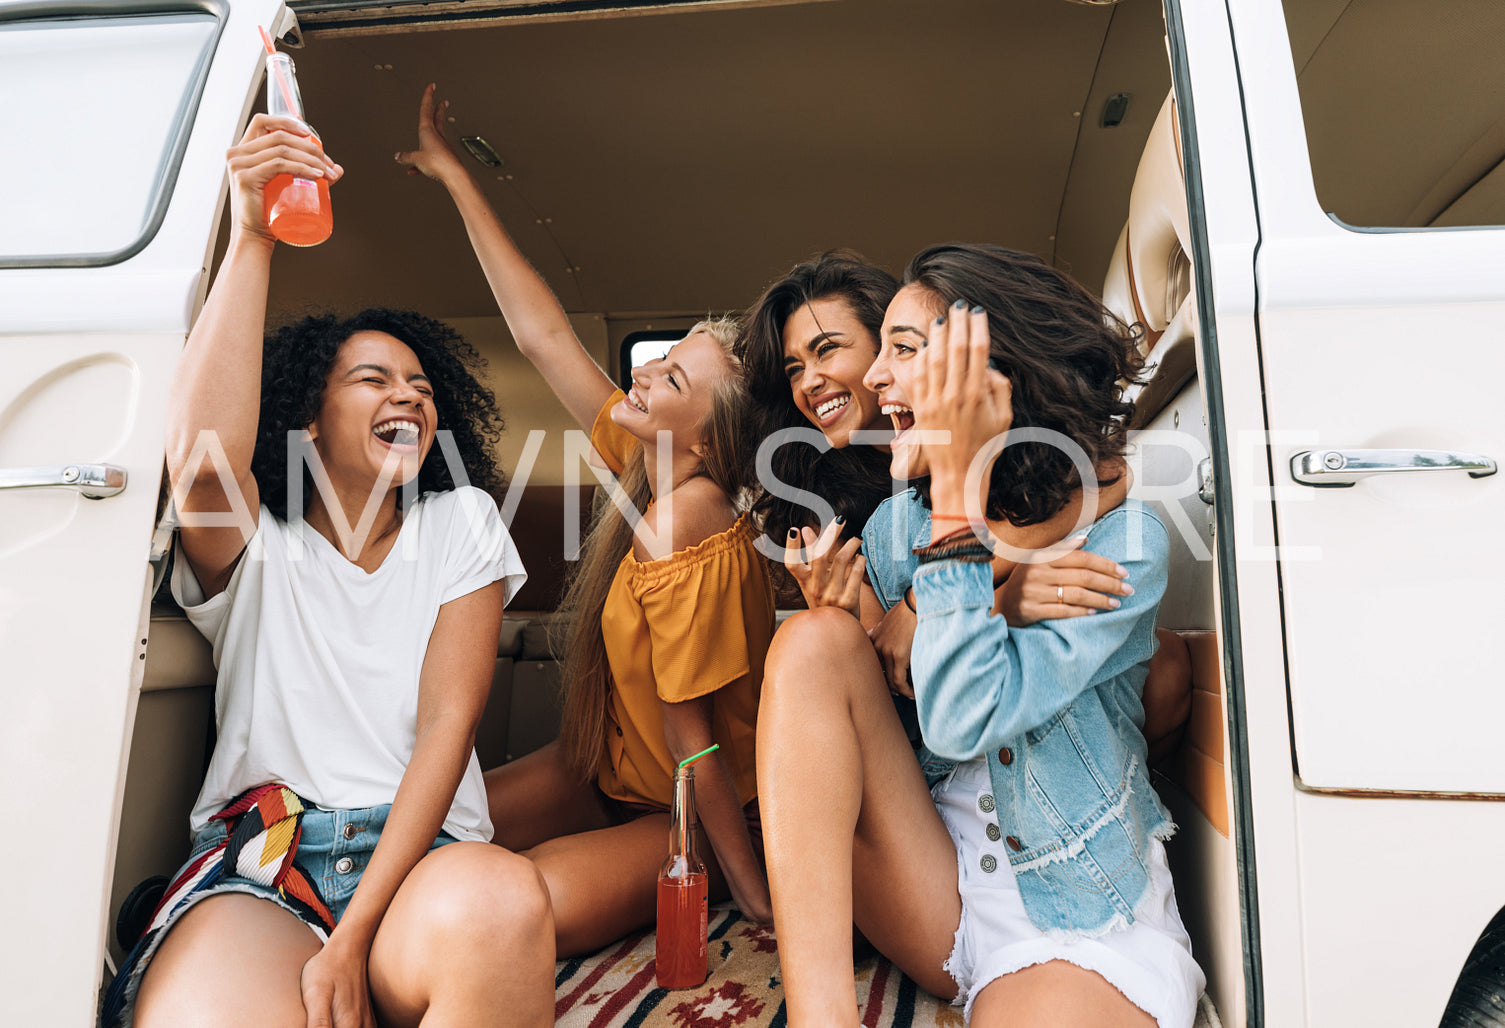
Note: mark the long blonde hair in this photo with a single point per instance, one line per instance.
(726, 460)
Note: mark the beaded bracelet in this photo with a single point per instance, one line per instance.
(954, 547)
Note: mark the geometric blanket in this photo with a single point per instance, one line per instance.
(616, 988)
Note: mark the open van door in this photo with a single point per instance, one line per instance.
(1348, 205)
(117, 118)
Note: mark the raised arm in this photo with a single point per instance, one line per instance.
(216, 394)
(535, 318)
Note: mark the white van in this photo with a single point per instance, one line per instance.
(1310, 233)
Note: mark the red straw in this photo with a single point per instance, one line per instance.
(287, 93)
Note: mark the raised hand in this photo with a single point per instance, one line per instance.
(955, 391)
(828, 575)
(434, 156)
(271, 146)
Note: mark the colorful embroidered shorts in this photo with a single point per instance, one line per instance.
(316, 855)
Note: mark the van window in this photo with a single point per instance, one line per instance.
(104, 106)
(1404, 105)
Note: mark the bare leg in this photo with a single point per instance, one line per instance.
(468, 940)
(538, 797)
(849, 826)
(1057, 994)
(186, 981)
(604, 884)
(1167, 694)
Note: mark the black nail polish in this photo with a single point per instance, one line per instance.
(977, 309)
(841, 519)
(960, 305)
(793, 532)
(940, 319)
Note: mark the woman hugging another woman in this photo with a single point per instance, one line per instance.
(671, 612)
(1017, 864)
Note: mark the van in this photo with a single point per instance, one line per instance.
(1301, 202)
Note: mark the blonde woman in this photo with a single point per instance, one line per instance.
(670, 623)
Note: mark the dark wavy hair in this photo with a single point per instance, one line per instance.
(854, 479)
(1067, 357)
(297, 359)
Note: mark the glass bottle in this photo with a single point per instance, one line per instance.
(682, 896)
(297, 209)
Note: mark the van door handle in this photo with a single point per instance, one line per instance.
(95, 481)
(1339, 468)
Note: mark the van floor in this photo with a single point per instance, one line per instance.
(615, 988)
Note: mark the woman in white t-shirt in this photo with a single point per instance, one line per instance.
(354, 664)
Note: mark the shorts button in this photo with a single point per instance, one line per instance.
(344, 865)
(993, 833)
(350, 831)
(985, 803)
(1005, 756)
(1014, 843)
(989, 863)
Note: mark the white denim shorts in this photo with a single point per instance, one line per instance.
(1149, 961)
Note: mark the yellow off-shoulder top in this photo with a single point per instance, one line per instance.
(695, 623)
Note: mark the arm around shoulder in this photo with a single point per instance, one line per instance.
(979, 682)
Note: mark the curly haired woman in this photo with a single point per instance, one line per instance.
(341, 869)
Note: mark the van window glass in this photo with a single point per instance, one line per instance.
(91, 122)
(1404, 106)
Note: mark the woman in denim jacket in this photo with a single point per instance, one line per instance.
(1029, 881)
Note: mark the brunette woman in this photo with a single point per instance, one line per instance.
(1018, 865)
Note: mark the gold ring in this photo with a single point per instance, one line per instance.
(1061, 594)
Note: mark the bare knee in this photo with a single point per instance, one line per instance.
(826, 641)
(482, 894)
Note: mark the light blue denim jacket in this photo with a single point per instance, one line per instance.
(1054, 707)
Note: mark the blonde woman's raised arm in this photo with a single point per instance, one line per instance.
(534, 316)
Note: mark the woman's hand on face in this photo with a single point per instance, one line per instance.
(893, 639)
(434, 156)
(335, 991)
(829, 575)
(272, 146)
(1071, 585)
(954, 390)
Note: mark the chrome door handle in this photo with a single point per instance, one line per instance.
(1327, 468)
(95, 481)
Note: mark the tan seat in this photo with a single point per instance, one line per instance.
(1149, 280)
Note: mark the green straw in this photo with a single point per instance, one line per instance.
(708, 749)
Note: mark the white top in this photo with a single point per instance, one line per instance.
(319, 661)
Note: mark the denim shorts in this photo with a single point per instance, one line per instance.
(333, 849)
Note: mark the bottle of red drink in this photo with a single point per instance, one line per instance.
(298, 210)
(682, 906)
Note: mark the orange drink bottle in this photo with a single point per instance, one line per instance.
(682, 904)
(298, 210)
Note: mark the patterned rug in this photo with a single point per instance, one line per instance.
(616, 988)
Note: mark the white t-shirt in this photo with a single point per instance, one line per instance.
(319, 661)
